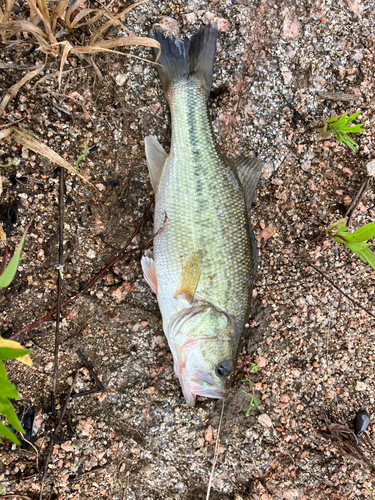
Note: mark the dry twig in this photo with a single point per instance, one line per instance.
(215, 453)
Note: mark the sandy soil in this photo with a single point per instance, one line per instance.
(313, 346)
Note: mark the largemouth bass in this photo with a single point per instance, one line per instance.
(205, 259)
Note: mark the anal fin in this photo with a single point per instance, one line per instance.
(149, 271)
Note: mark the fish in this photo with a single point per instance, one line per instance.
(204, 259)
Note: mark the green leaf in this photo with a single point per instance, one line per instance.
(7, 389)
(9, 353)
(369, 257)
(7, 410)
(8, 434)
(365, 232)
(338, 225)
(356, 246)
(8, 275)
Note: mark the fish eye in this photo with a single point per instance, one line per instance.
(224, 369)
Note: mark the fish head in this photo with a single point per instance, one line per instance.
(205, 349)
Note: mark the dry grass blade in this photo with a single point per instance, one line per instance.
(58, 12)
(215, 453)
(43, 7)
(82, 14)
(109, 23)
(64, 56)
(15, 88)
(44, 16)
(31, 143)
(97, 48)
(70, 11)
(128, 40)
(28, 27)
(4, 16)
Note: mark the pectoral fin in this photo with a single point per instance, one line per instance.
(156, 157)
(149, 271)
(248, 171)
(190, 276)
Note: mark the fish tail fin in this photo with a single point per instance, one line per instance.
(190, 58)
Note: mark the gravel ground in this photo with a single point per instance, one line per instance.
(313, 346)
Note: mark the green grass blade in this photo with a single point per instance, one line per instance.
(331, 120)
(82, 157)
(8, 164)
(352, 117)
(8, 275)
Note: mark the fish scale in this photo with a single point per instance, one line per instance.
(194, 189)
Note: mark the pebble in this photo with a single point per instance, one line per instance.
(265, 420)
(370, 168)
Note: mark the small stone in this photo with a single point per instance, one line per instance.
(84, 426)
(261, 361)
(287, 77)
(370, 167)
(265, 420)
(122, 291)
(223, 24)
(208, 17)
(120, 80)
(91, 254)
(208, 434)
(290, 28)
(360, 386)
(67, 446)
(266, 233)
(190, 17)
(285, 398)
(169, 25)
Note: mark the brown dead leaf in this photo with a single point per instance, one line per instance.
(3, 236)
(15, 88)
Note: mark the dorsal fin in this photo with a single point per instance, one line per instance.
(156, 157)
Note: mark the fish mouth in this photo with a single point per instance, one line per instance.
(201, 384)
